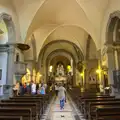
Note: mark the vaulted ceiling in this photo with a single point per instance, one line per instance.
(37, 14)
(48, 20)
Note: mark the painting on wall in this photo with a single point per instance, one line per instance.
(0, 74)
(92, 76)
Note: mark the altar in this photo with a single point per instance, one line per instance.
(61, 79)
(60, 74)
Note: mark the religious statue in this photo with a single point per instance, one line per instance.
(60, 70)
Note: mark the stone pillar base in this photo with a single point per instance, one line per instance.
(8, 91)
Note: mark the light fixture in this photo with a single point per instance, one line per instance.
(68, 68)
(40, 75)
(81, 74)
(98, 71)
(51, 67)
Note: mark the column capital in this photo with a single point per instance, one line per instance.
(107, 49)
(11, 49)
(7, 48)
(4, 48)
(110, 49)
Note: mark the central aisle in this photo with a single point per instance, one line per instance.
(57, 114)
(70, 111)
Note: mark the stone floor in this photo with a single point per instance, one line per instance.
(70, 111)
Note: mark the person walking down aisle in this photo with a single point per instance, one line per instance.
(61, 95)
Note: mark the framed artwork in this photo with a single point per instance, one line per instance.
(0, 74)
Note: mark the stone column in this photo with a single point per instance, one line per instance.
(111, 67)
(10, 71)
(118, 58)
(10, 65)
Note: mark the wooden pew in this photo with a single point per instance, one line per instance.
(24, 112)
(11, 118)
(83, 98)
(84, 104)
(40, 99)
(92, 106)
(44, 99)
(37, 101)
(32, 106)
(108, 113)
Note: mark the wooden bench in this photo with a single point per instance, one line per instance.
(37, 101)
(40, 99)
(92, 106)
(84, 104)
(32, 106)
(11, 118)
(44, 99)
(83, 98)
(24, 112)
(108, 113)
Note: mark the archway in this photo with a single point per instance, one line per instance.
(113, 28)
(78, 52)
(7, 22)
(113, 50)
(69, 57)
(7, 56)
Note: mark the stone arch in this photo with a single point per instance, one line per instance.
(77, 49)
(10, 26)
(88, 27)
(65, 51)
(113, 23)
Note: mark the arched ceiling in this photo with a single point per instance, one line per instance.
(57, 53)
(59, 58)
(66, 32)
(64, 46)
(60, 45)
(87, 14)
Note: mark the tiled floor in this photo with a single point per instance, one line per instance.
(70, 111)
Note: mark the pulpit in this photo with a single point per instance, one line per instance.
(20, 68)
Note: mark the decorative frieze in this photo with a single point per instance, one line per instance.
(7, 48)
(4, 48)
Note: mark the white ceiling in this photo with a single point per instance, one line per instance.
(87, 14)
(49, 20)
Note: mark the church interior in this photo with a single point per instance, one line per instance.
(50, 48)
